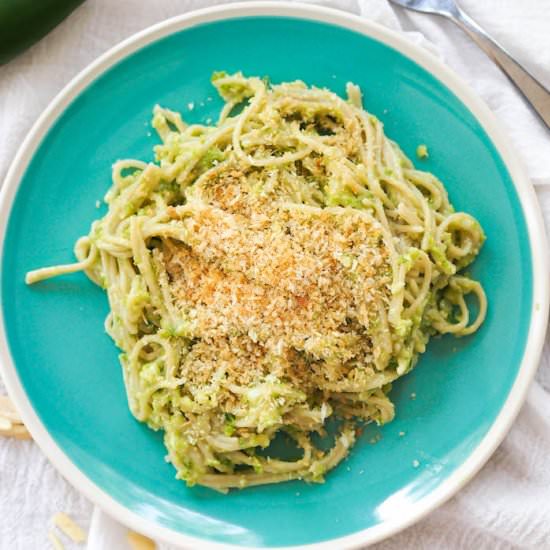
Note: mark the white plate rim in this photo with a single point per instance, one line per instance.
(527, 198)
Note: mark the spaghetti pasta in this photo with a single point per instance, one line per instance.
(272, 271)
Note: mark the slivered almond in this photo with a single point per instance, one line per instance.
(6, 404)
(7, 410)
(56, 543)
(18, 431)
(5, 424)
(11, 415)
(140, 542)
(69, 527)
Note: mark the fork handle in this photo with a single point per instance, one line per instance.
(535, 93)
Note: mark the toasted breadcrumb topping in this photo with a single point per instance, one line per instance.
(265, 282)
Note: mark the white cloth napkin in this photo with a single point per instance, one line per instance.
(508, 504)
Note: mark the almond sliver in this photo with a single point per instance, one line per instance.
(7, 410)
(140, 542)
(12, 416)
(5, 424)
(69, 527)
(18, 431)
(56, 543)
(6, 404)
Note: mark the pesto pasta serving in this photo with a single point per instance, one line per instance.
(270, 272)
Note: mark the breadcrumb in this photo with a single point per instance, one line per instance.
(266, 283)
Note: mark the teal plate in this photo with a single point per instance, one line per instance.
(62, 369)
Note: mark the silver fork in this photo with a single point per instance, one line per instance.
(533, 91)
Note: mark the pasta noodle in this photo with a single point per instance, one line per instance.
(270, 272)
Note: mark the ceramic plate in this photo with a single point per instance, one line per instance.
(62, 369)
